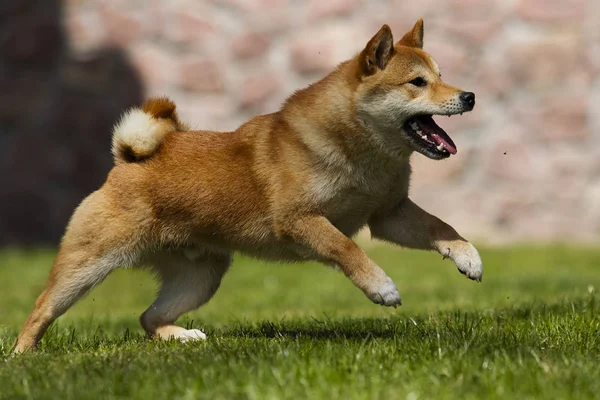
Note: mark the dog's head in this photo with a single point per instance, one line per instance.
(400, 88)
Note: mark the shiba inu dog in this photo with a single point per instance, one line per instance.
(293, 185)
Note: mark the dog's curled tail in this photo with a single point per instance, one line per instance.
(141, 130)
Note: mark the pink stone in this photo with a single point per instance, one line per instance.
(493, 80)
(155, 66)
(252, 5)
(552, 10)
(452, 57)
(201, 75)
(563, 118)
(204, 112)
(541, 65)
(457, 124)
(122, 27)
(510, 210)
(403, 15)
(509, 159)
(257, 89)
(248, 45)
(590, 34)
(310, 56)
(319, 49)
(554, 119)
(332, 8)
(153, 17)
(272, 19)
(477, 31)
(428, 173)
(187, 27)
(472, 10)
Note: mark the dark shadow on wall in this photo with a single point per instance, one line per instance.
(56, 114)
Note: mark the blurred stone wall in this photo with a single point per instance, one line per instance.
(528, 164)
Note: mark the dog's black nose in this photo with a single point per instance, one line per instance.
(468, 99)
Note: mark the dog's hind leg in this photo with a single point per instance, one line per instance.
(188, 281)
(92, 247)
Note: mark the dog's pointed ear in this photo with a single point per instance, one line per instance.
(414, 37)
(378, 51)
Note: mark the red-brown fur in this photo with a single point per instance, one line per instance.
(293, 185)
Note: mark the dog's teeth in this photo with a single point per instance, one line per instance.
(440, 147)
(418, 131)
(424, 137)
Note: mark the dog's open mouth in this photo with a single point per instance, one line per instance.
(428, 138)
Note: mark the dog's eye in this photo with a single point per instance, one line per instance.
(418, 82)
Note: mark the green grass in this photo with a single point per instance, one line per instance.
(530, 330)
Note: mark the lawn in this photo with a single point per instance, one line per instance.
(530, 330)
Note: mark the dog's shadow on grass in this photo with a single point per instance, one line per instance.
(347, 329)
(501, 325)
(334, 333)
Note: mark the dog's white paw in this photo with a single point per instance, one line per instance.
(189, 335)
(467, 260)
(175, 332)
(385, 294)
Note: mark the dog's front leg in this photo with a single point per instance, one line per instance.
(327, 244)
(410, 226)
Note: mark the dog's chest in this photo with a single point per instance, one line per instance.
(349, 199)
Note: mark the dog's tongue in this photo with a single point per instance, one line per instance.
(435, 133)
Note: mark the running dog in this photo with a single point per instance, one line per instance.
(293, 185)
